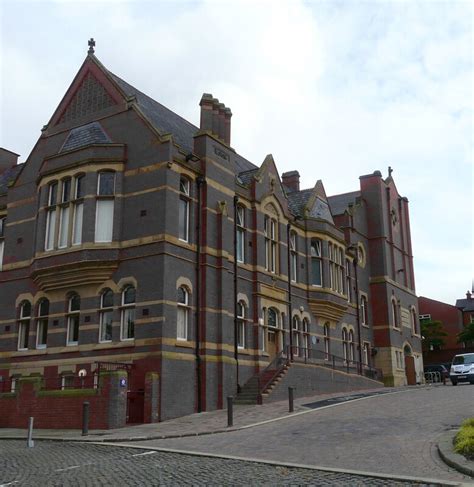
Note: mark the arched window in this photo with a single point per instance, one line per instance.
(348, 280)
(73, 316)
(414, 321)
(24, 325)
(127, 322)
(293, 257)
(270, 232)
(106, 313)
(104, 218)
(241, 324)
(272, 320)
(364, 311)
(345, 345)
(183, 314)
(327, 341)
(42, 324)
(316, 263)
(240, 214)
(296, 335)
(351, 346)
(395, 316)
(184, 203)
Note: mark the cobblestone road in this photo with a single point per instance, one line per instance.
(76, 464)
(393, 434)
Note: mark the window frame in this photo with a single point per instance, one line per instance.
(24, 324)
(42, 323)
(327, 340)
(316, 255)
(240, 238)
(295, 330)
(293, 256)
(241, 321)
(270, 231)
(185, 197)
(395, 313)
(103, 197)
(104, 311)
(127, 310)
(364, 310)
(77, 202)
(71, 317)
(3, 220)
(183, 308)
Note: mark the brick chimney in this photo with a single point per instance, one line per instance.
(291, 180)
(8, 159)
(215, 117)
(468, 295)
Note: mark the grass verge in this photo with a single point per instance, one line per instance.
(464, 440)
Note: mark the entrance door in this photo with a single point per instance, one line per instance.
(410, 370)
(272, 343)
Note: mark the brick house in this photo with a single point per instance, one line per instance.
(136, 241)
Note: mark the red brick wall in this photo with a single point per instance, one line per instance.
(54, 409)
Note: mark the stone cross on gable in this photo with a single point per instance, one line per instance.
(390, 170)
(91, 44)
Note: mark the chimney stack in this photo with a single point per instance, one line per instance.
(215, 117)
(291, 180)
(468, 295)
(8, 159)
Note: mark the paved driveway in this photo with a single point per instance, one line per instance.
(393, 433)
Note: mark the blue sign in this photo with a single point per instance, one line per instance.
(123, 382)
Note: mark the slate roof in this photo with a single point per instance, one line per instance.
(465, 304)
(297, 200)
(245, 177)
(340, 202)
(9, 176)
(164, 120)
(92, 133)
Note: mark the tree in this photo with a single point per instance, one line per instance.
(467, 335)
(433, 334)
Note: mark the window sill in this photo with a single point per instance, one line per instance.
(22, 349)
(127, 340)
(105, 341)
(365, 326)
(72, 344)
(40, 347)
(183, 343)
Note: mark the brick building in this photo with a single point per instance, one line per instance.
(135, 239)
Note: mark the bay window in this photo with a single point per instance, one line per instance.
(104, 219)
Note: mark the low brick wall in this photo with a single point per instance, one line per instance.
(62, 409)
(311, 379)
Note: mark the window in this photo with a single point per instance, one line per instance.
(67, 382)
(240, 324)
(240, 234)
(364, 311)
(24, 326)
(348, 280)
(414, 321)
(183, 314)
(184, 199)
(270, 233)
(395, 317)
(327, 341)
(106, 314)
(74, 307)
(305, 336)
(272, 319)
(293, 257)
(351, 346)
(296, 335)
(51, 216)
(2, 240)
(336, 268)
(78, 210)
(366, 353)
(345, 344)
(127, 322)
(104, 217)
(42, 324)
(316, 263)
(64, 212)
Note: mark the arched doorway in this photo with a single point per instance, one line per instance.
(410, 371)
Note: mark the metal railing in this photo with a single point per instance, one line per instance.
(433, 377)
(65, 382)
(277, 364)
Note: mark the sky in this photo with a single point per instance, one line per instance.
(334, 89)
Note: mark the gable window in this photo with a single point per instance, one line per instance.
(316, 263)
(296, 335)
(104, 216)
(348, 280)
(364, 315)
(2, 240)
(240, 234)
(42, 324)
(184, 202)
(127, 322)
(240, 324)
(183, 314)
(106, 314)
(78, 210)
(51, 216)
(293, 257)
(270, 232)
(327, 342)
(73, 316)
(24, 325)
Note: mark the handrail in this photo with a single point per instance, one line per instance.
(281, 356)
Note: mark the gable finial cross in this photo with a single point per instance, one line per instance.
(390, 170)
(91, 44)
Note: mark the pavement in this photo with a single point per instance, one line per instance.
(245, 416)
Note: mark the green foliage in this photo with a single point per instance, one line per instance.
(433, 334)
(467, 335)
(464, 441)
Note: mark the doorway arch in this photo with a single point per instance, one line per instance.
(410, 371)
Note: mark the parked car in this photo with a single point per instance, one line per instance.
(462, 368)
(443, 372)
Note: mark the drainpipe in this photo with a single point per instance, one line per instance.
(236, 323)
(358, 311)
(199, 182)
(288, 235)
